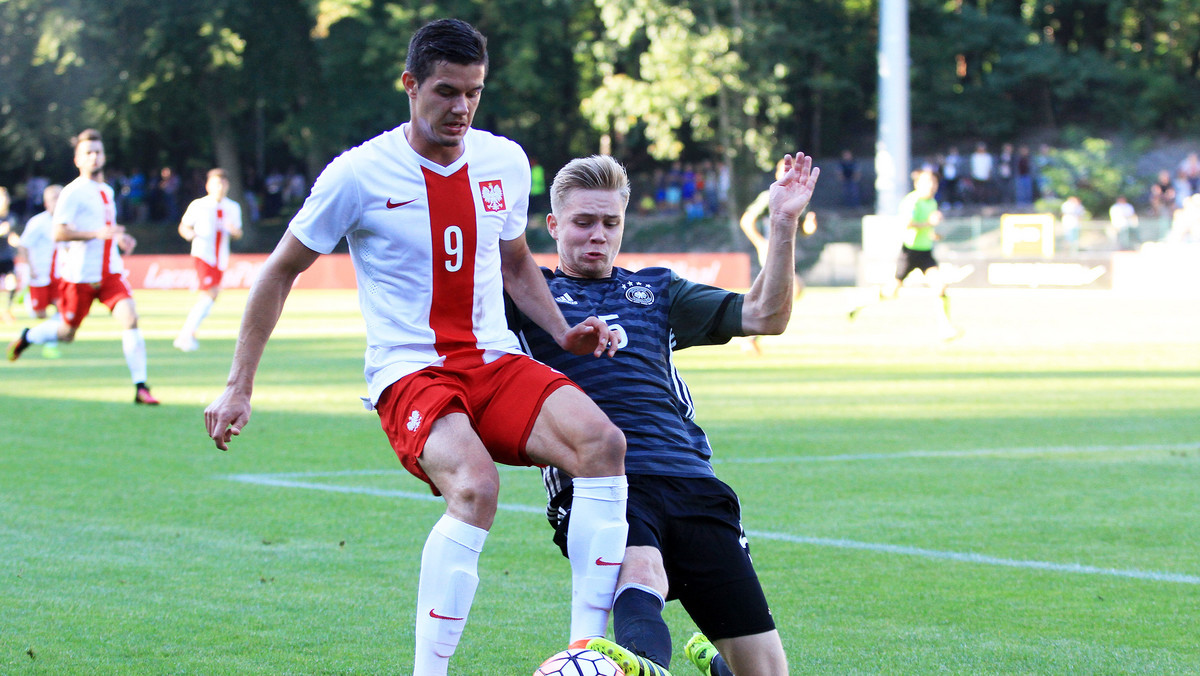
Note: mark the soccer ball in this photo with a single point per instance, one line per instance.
(578, 662)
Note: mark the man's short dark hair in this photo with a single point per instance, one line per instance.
(449, 40)
(84, 136)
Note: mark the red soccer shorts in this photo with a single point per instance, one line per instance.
(77, 297)
(207, 276)
(42, 297)
(502, 399)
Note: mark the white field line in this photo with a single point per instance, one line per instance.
(300, 480)
(1037, 450)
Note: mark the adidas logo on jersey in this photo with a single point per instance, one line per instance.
(566, 299)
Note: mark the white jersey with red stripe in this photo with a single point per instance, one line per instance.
(87, 205)
(212, 222)
(38, 240)
(425, 242)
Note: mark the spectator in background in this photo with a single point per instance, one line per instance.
(982, 168)
(1183, 189)
(1162, 206)
(951, 175)
(1072, 217)
(8, 255)
(1185, 225)
(1023, 177)
(1122, 223)
(1041, 161)
(35, 189)
(850, 175)
(1005, 174)
(1190, 170)
(168, 186)
(295, 187)
(538, 202)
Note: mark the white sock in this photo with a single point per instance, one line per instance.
(46, 332)
(449, 577)
(596, 546)
(134, 346)
(199, 311)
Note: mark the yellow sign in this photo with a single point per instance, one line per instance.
(1027, 234)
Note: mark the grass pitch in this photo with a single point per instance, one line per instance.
(1022, 500)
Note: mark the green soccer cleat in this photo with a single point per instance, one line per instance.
(700, 652)
(631, 663)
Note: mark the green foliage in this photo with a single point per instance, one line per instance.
(1094, 171)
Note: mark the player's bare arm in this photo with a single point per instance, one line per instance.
(767, 307)
(225, 417)
(524, 282)
(65, 232)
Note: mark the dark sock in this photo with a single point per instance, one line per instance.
(638, 625)
(718, 667)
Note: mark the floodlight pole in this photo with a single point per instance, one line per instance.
(893, 146)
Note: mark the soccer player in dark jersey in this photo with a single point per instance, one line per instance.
(685, 536)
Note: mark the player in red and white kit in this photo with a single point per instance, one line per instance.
(435, 216)
(86, 219)
(208, 224)
(39, 250)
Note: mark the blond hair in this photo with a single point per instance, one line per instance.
(598, 172)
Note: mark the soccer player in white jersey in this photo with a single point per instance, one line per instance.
(85, 218)
(208, 224)
(435, 215)
(39, 251)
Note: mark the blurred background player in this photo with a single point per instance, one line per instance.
(85, 218)
(685, 536)
(921, 216)
(208, 224)
(40, 253)
(8, 256)
(757, 228)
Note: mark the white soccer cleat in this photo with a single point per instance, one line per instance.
(186, 344)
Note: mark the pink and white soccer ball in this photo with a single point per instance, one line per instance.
(578, 662)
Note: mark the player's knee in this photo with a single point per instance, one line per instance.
(475, 500)
(603, 452)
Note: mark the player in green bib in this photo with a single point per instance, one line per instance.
(919, 209)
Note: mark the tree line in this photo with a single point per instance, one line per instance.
(262, 85)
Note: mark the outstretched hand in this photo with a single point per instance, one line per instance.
(791, 193)
(591, 335)
(225, 417)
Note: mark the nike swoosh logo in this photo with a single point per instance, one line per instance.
(601, 562)
(395, 205)
(441, 617)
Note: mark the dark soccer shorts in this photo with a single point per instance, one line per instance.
(696, 524)
(913, 259)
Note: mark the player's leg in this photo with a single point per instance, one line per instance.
(754, 655)
(573, 434)
(642, 640)
(133, 345)
(459, 466)
(936, 280)
(722, 593)
(210, 285)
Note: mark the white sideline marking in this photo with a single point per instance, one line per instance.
(1037, 450)
(293, 480)
(283, 481)
(968, 557)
